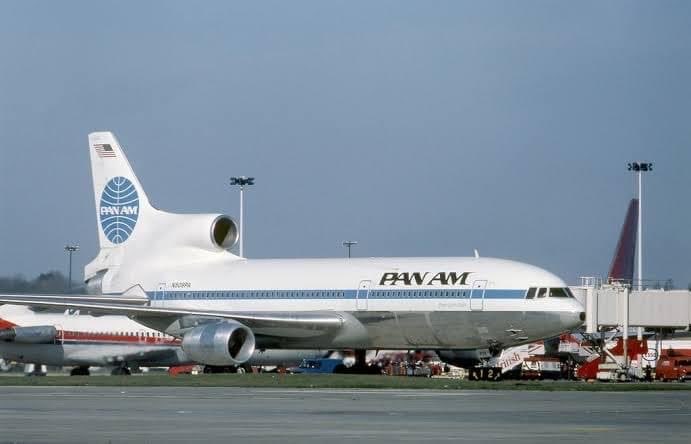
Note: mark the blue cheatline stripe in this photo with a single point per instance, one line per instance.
(335, 294)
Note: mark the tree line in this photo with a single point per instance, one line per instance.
(48, 282)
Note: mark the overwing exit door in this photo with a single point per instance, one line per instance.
(160, 293)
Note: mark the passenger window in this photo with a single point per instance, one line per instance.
(541, 292)
(531, 293)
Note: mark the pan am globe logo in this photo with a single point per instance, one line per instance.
(119, 209)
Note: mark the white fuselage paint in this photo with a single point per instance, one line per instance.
(187, 285)
(461, 290)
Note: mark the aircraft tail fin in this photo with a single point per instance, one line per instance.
(4, 325)
(621, 268)
(133, 234)
(121, 203)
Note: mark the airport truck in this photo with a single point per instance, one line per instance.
(673, 368)
(325, 365)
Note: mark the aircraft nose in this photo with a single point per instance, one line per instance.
(575, 317)
(572, 319)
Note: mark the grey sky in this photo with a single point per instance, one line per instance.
(416, 128)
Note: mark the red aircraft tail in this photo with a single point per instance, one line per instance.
(621, 268)
(4, 325)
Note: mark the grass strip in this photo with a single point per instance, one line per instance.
(269, 380)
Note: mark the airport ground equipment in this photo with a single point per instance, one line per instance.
(541, 367)
(674, 365)
(481, 373)
(325, 365)
(616, 305)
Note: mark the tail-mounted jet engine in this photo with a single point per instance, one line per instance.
(203, 233)
(222, 343)
(207, 231)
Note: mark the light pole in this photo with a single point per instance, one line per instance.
(349, 244)
(70, 249)
(640, 168)
(242, 181)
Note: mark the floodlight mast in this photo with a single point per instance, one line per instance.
(70, 249)
(640, 168)
(349, 244)
(242, 181)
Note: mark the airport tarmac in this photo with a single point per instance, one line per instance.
(184, 414)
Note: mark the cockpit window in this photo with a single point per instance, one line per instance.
(549, 292)
(560, 293)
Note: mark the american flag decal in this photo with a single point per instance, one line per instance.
(104, 150)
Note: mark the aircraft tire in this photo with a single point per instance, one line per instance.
(80, 371)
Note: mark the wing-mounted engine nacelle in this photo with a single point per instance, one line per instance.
(222, 343)
(213, 232)
(42, 334)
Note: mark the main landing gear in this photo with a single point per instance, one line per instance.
(360, 367)
(121, 371)
(80, 371)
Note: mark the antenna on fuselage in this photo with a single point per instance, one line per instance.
(477, 253)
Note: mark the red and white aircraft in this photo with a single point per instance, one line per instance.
(72, 339)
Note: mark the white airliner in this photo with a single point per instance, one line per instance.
(71, 338)
(175, 273)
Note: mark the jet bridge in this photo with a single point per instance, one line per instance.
(618, 305)
(615, 305)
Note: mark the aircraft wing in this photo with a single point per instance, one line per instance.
(298, 324)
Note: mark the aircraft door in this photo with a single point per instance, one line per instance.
(160, 293)
(60, 337)
(477, 295)
(362, 295)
